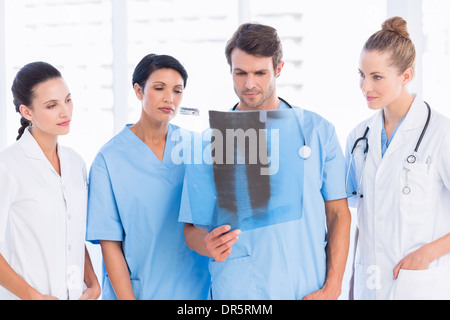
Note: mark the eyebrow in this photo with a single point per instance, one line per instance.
(372, 73)
(240, 70)
(56, 100)
(161, 82)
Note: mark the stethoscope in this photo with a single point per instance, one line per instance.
(411, 159)
(304, 151)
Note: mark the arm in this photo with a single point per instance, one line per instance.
(216, 244)
(422, 257)
(90, 279)
(117, 269)
(338, 239)
(15, 284)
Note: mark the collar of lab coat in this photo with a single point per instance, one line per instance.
(414, 120)
(32, 150)
(416, 116)
(30, 146)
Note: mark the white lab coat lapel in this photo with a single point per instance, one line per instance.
(406, 133)
(374, 155)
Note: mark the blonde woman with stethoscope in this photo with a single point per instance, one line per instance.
(399, 179)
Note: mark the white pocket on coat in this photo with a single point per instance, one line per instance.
(430, 284)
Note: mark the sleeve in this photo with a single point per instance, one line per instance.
(442, 160)
(198, 199)
(6, 199)
(185, 208)
(333, 185)
(103, 218)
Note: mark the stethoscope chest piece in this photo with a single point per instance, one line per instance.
(406, 190)
(304, 152)
(411, 159)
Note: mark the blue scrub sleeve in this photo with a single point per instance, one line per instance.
(103, 219)
(333, 185)
(185, 208)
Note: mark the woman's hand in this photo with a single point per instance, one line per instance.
(416, 260)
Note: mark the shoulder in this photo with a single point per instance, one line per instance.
(440, 127)
(317, 124)
(317, 119)
(440, 120)
(11, 154)
(116, 144)
(361, 127)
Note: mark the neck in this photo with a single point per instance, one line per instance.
(46, 142)
(396, 111)
(149, 131)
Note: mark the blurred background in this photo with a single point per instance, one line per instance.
(97, 43)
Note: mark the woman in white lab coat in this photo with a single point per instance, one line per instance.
(43, 197)
(399, 179)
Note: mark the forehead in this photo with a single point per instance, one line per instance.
(375, 60)
(53, 89)
(166, 75)
(248, 62)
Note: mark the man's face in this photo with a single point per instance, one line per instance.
(254, 80)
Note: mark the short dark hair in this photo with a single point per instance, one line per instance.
(152, 62)
(24, 84)
(258, 40)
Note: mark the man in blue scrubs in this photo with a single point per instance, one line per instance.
(303, 258)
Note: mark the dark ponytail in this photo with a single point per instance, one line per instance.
(24, 84)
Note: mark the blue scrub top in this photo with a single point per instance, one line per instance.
(135, 198)
(286, 260)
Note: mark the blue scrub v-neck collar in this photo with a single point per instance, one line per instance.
(384, 140)
(144, 149)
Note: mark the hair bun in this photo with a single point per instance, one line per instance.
(397, 25)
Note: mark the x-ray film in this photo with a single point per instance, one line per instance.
(246, 170)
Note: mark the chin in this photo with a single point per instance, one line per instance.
(63, 132)
(374, 107)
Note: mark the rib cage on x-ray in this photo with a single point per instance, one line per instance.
(241, 188)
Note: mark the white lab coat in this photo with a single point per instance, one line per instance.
(392, 224)
(43, 218)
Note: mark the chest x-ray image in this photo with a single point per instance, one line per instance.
(251, 174)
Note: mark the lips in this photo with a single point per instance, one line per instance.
(368, 98)
(64, 124)
(251, 94)
(166, 109)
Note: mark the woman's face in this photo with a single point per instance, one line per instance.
(51, 109)
(381, 83)
(161, 95)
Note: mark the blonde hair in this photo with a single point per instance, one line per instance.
(394, 38)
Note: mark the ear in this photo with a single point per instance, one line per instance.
(408, 76)
(279, 68)
(138, 91)
(26, 112)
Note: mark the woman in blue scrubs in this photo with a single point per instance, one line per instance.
(135, 193)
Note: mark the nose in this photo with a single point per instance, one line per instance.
(66, 110)
(168, 97)
(250, 82)
(365, 85)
